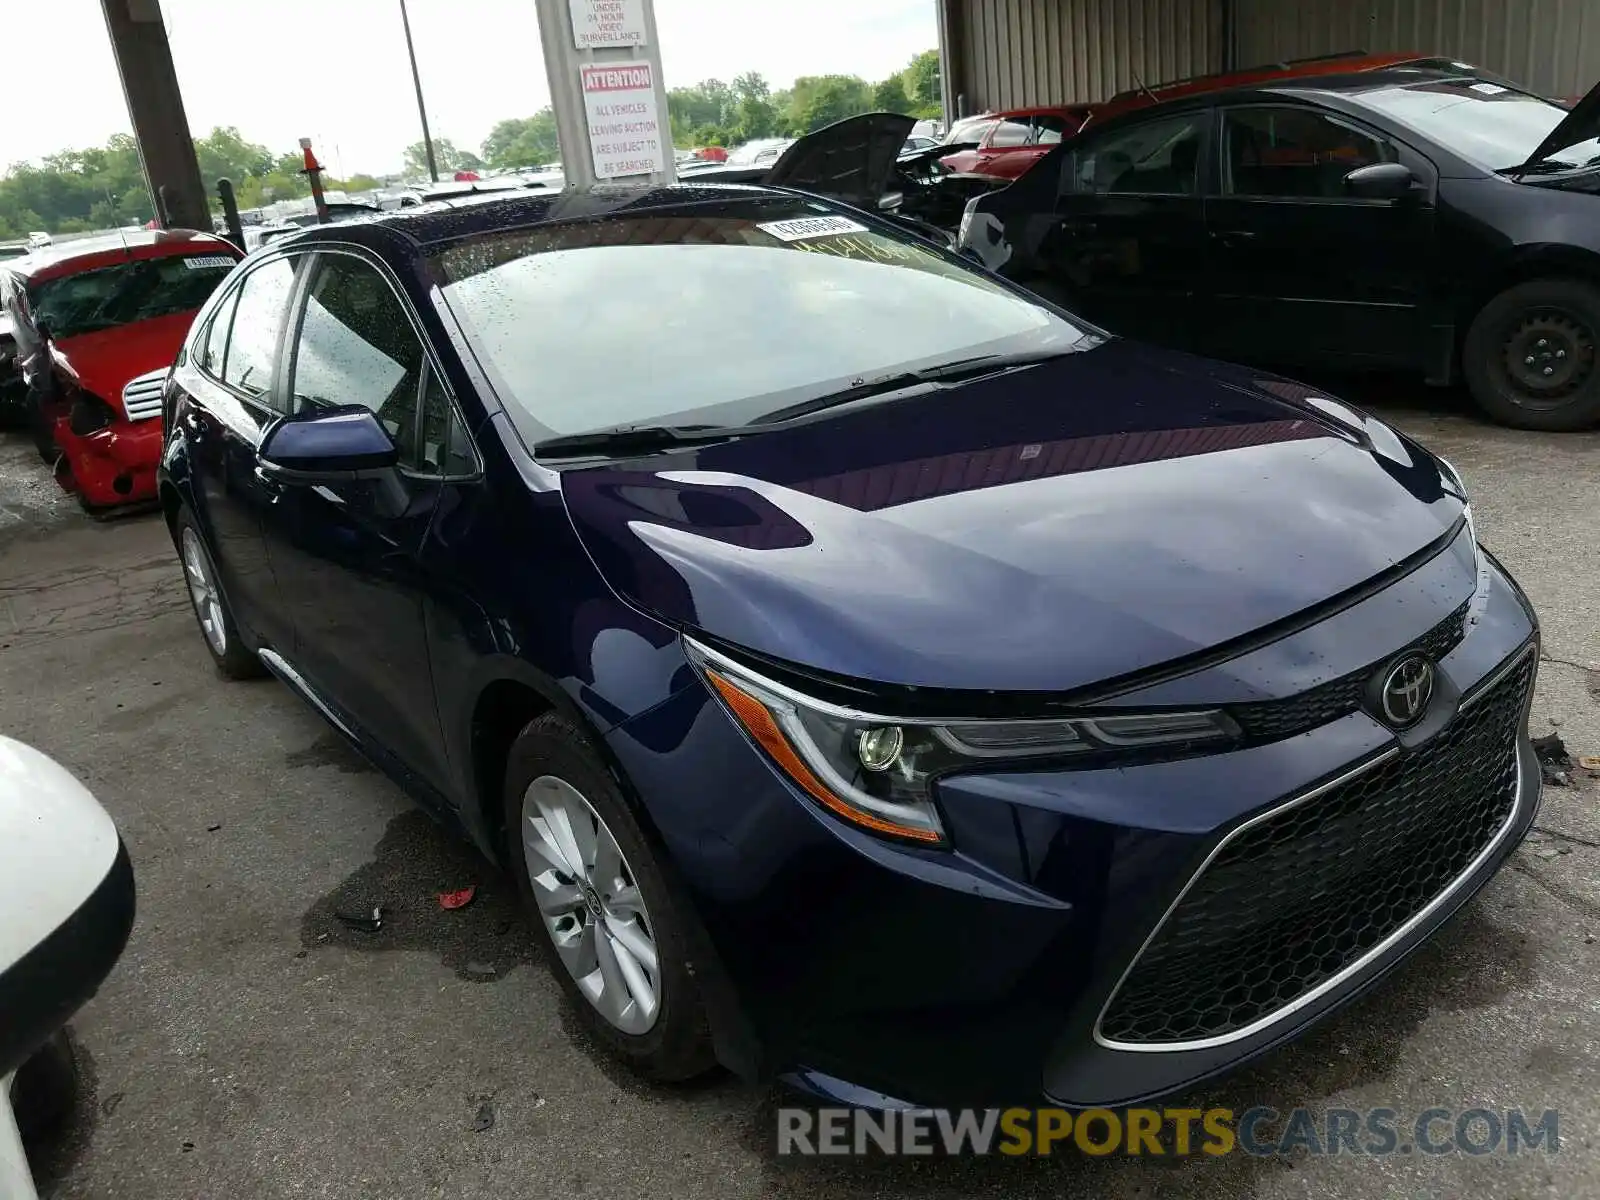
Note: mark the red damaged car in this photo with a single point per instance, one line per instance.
(97, 323)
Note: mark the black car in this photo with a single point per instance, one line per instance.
(1430, 220)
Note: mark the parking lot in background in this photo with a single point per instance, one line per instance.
(250, 1044)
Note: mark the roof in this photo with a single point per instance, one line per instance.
(83, 254)
(445, 220)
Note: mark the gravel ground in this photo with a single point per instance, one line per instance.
(250, 1045)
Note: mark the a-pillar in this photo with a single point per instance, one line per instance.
(166, 151)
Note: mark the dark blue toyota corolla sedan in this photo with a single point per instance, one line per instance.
(869, 673)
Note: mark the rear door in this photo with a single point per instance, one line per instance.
(229, 398)
(1126, 243)
(347, 554)
(1304, 271)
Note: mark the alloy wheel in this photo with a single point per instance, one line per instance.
(590, 902)
(203, 590)
(1548, 355)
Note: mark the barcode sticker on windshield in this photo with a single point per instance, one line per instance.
(801, 228)
(1488, 89)
(208, 262)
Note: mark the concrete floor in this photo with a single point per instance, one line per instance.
(249, 1045)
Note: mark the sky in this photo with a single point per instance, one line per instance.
(336, 70)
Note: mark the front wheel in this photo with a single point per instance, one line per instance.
(607, 916)
(234, 660)
(1530, 356)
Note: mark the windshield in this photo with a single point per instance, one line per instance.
(1486, 123)
(139, 290)
(717, 314)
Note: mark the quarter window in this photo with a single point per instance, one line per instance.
(1016, 132)
(257, 322)
(209, 350)
(357, 346)
(1294, 152)
(1153, 158)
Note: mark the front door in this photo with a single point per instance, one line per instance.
(346, 554)
(226, 405)
(1127, 246)
(1304, 271)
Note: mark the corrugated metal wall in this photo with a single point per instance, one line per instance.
(1551, 46)
(1005, 53)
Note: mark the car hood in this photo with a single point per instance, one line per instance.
(1043, 530)
(851, 160)
(104, 361)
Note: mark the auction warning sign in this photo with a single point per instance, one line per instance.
(597, 23)
(624, 120)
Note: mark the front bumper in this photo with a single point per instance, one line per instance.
(111, 466)
(878, 972)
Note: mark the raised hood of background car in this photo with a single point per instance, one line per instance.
(1042, 530)
(103, 361)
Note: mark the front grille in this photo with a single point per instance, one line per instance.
(141, 395)
(1300, 896)
(1273, 719)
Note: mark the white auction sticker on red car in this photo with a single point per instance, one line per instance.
(208, 261)
(799, 228)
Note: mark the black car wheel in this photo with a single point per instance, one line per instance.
(1530, 356)
(605, 913)
(218, 629)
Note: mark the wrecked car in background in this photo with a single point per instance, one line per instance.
(861, 161)
(1430, 219)
(97, 324)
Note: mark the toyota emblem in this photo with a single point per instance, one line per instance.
(1406, 690)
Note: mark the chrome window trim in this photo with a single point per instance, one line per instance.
(1417, 919)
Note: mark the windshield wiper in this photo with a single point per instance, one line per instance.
(957, 369)
(636, 439)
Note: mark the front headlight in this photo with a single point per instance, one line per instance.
(877, 771)
(1480, 594)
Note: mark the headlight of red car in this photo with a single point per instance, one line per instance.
(89, 414)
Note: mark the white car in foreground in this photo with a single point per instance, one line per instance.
(66, 908)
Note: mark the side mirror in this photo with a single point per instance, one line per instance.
(1380, 181)
(330, 445)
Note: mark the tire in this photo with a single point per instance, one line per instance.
(218, 630)
(674, 1043)
(1531, 356)
(45, 1089)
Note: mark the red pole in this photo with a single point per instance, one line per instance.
(313, 172)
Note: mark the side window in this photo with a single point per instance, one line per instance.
(1049, 130)
(1158, 157)
(357, 346)
(1016, 131)
(211, 344)
(1293, 152)
(257, 320)
(446, 448)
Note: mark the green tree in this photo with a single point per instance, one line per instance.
(224, 153)
(922, 83)
(890, 96)
(818, 101)
(523, 141)
(445, 153)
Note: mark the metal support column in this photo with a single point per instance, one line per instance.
(155, 107)
(629, 21)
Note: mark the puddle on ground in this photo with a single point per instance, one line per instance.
(415, 860)
(329, 750)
